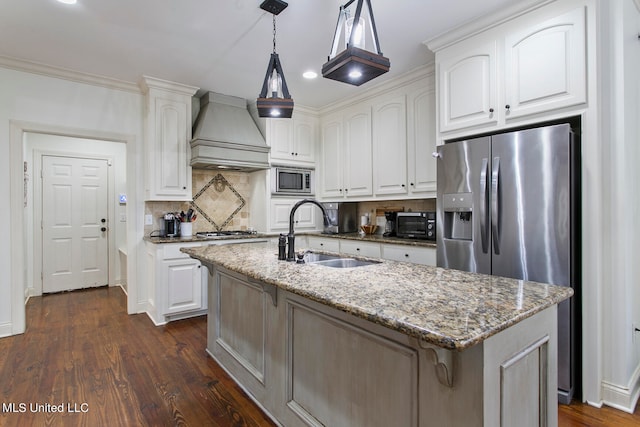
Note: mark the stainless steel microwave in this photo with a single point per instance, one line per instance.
(416, 225)
(291, 181)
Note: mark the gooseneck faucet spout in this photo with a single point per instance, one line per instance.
(291, 253)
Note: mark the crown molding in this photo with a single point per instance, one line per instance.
(23, 65)
(147, 82)
(484, 23)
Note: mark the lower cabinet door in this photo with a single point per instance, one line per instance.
(183, 286)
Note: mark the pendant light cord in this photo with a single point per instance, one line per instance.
(274, 33)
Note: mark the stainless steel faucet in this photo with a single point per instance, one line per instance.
(291, 239)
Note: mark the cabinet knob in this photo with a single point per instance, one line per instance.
(293, 154)
(199, 266)
(491, 110)
(403, 185)
(184, 188)
(358, 249)
(406, 255)
(412, 184)
(507, 106)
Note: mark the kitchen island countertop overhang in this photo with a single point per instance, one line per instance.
(450, 309)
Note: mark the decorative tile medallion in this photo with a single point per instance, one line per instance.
(218, 202)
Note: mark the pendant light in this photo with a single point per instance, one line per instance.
(355, 64)
(274, 100)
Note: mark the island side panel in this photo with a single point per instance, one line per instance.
(240, 312)
(341, 374)
(521, 374)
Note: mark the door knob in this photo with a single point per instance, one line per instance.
(103, 229)
(103, 220)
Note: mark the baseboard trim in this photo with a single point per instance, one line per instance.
(6, 330)
(624, 399)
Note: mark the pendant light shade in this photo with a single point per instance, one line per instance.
(361, 60)
(274, 100)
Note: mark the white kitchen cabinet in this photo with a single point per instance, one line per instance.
(307, 216)
(167, 136)
(421, 139)
(413, 254)
(293, 141)
(178, 283)
(324, 243)
(390, 146)
(467, 84)
(545, 66)
(346, 154)
(516, 70)
(356, 247)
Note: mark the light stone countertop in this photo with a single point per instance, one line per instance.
(448, 308)
(375, 238)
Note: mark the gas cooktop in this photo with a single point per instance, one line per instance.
(214, 234)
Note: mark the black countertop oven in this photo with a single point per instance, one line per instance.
(416, 225)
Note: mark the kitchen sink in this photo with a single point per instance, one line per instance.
(335, 261)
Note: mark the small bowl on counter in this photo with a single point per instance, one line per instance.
(369, 229)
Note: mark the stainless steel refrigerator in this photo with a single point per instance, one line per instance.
(507, 205)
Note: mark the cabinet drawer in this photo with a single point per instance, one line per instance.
(360, 248)
(416, 255)
(172, 250)
(325, 244)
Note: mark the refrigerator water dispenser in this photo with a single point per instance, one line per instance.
(458, 215)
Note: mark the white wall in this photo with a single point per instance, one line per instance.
(32, 101)
(35, 145)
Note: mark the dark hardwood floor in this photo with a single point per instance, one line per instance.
(106, 368)
(81, 349)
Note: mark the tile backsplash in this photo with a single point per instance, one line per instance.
(220, 199)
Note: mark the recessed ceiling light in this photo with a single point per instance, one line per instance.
(310, 75)
(68, 1)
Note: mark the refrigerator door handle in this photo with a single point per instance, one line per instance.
(495, 205)
(484, 208)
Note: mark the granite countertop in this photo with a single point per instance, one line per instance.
(375, 238)
(194, 238)
(448, 308)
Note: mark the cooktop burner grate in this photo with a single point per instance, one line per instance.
(224, 233)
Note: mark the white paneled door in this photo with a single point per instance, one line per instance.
(74, 223)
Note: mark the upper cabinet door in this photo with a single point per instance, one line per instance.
(281, 138)
(467, 85)
(545, 66)
(358, 168)
(304, 137)
(390, 146)
(331, 182)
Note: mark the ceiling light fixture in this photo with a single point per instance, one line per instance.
(274, 99)
(309, 74)
(68, 1)
(355, 65)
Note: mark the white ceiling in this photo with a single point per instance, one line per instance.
(220, 45)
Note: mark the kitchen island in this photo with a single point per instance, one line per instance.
(389, 343)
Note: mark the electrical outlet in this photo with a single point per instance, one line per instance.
(148, 220)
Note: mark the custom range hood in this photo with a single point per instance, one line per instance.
(225, 136)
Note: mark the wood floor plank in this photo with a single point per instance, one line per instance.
(81, 348)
